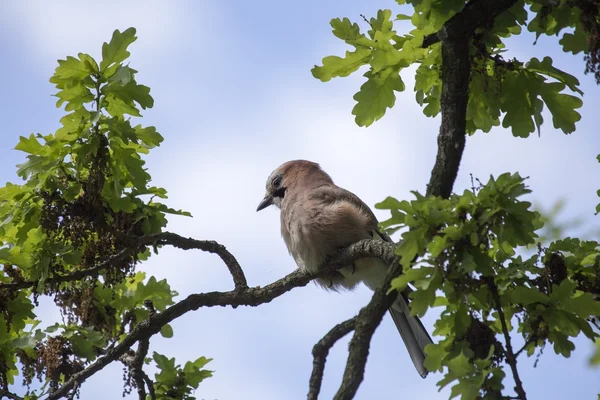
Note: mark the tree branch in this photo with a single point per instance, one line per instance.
(320, 353)
(456, 68)
(135, 362)
(9, 395)
(476, 14)
(163, 238)
(510, 355)
(245, 296)
(367, 321)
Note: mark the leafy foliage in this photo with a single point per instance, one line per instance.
(86, 195)
(472, 254)
(174, 382)
(507, 92)
(474, 262)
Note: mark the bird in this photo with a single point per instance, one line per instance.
(318, 218)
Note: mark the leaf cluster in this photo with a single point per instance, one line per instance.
(471, 256)
(86, 196)
(507, 92)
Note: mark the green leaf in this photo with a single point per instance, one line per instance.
(193, 372)
(116, 50)
(148, 136)
(563, 292)
(345, 30)
(30, 145)
(163, 362)
(382, 23)
(409, 275)
(131, 92)
(595, 359)
(82, 347)
(122, 76)
(435, 354)
(562, 106)
(75, 94)
(584, 305)
(562, 345)
(413, 243)
(34, 165)
(575, 42)
(590, 259)
(391, 203)
(376, 95)
(524, 295)
(545, 67)
(71, 68)
(166, 331)
(334, 66)
(517, 104)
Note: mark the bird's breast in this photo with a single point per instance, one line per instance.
(302, 243)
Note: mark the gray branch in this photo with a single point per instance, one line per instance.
(241, 296)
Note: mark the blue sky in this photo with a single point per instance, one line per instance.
(234, 98)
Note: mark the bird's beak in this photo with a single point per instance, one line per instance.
(266, 202)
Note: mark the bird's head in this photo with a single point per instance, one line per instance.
(292, 176)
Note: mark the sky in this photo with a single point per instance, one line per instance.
(234, 98)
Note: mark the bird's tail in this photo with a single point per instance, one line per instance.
(413, 333)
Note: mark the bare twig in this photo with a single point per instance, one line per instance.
(510, 355)
(164, 238)
(210, 246)
(523, 348)
(320, 353)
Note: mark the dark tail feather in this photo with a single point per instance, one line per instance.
(413, 333)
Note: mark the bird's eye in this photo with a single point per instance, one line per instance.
(276, 181)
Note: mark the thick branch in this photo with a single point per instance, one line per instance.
(367, 321)
(476, 14)
(320, 353)
(242, 296)
(364, 248)
(511, 359)
(135, 362)
(456, 68)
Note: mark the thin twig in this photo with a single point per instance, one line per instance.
(320, 353)
(527, 342)
(510, 355)
(163, 238)
(149, 384)
(9, 395)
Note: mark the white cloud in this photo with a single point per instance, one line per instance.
(67, 27)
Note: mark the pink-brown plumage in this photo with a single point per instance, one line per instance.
(317, 219)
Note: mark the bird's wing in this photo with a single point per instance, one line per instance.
(329, 194)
